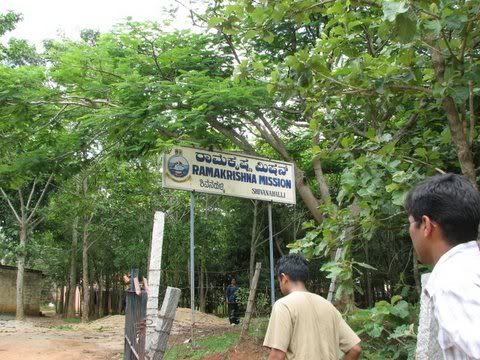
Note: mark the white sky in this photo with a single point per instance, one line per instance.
(46, 19)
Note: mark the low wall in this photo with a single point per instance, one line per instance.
(31, 292)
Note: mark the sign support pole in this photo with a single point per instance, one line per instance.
(192, 261)
(270, 230)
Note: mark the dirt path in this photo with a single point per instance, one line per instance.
(51, 338)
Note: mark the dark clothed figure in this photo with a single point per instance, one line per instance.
(231, 295)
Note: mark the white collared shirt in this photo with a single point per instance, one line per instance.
(454, 291)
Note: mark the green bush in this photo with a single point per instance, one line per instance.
(387, 330)
(262, 302)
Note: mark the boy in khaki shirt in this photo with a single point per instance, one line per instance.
(303, 325)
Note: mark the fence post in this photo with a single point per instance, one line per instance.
(251, 299)
(155, 348)
(155, 266)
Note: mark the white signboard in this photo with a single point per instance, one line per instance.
(229, 174)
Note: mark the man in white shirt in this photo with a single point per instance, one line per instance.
(444, 214)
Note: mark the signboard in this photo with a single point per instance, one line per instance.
(230, 174)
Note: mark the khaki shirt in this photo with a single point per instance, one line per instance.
(306, 326)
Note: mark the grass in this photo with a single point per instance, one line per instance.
(208, 346)
(62, 327)
(73, 320)
(258, 327)
(216, 344)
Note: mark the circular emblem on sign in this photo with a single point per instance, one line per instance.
(178, 168)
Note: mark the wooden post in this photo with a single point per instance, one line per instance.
(251, 299)
(155, 348)
(155, 266)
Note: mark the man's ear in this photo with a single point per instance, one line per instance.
(428, 226)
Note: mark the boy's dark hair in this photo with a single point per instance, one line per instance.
(293, 265)
(451, 201)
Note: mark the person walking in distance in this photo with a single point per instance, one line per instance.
(231, 295)
(444, 214)
(303, 325)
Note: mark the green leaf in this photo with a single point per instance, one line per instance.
(446, 136)
(269, 37)
(406, 28)
(460, 94)
(393, 8)
(291, 61)
(387, 149)
(376, 331)
(391, 187)
(398, 198)
(434, 26)
(250, 34)
(395, 299)
(371, 134)
(214, 21)
(400, 309)
(421, 152)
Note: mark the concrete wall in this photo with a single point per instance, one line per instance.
(32, 290)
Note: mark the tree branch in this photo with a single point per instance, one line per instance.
(41, 197)
(288, 111)
(101, 71)
(370, 48)
(444, 37)
(22, 205)
(31, 193)
(11, 206)
(464, 42)
(355, 130)
(412, 88)
(276, 139)
(472, 113)
(411, 160)
(409, 125)
(78, 102)
(237, 139)
(230, 44)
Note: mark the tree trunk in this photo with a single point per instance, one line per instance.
(307, 195)
(273, 139)
(459, 136)
(347, 301)
(85, 282)
(322, 183)
(101, 308)
(56, 300)
(73, 270)
(20, 312)
(85, 245)
(61, 302)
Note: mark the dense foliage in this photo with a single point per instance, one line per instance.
(365, 97)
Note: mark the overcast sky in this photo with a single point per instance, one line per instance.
(46, 19)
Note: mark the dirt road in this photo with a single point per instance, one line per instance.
(51, 338)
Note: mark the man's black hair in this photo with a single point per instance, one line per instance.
(293, 265)
(451, 201)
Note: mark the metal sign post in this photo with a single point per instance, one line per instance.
(192, 260)
(270, 231)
